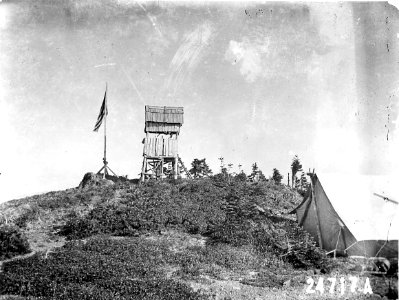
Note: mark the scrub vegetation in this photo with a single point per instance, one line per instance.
(214, 237)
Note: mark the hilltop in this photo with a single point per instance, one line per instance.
(179, 239)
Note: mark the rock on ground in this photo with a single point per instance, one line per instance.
(91, 179)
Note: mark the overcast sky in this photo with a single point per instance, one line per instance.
(259, 82)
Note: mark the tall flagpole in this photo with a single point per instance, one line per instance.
(105, 130)
(105, 166)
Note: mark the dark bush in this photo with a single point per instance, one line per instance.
(302, 252)
(29, 215)
(240, 177)
(12, 242)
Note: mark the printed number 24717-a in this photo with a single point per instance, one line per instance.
(354, 284)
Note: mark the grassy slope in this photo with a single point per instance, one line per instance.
(160, 241)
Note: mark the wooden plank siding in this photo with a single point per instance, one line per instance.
(162, 127)
(158, 146)
(164, 114)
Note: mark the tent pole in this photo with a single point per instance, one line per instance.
(336, 245)
(317, 215)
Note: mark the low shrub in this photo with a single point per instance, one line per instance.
(247, 223)
(67, 199)
(12, 242)
(32, 213)
(238, 214)
(194, 207)
(62, 200)
(302, 251)
(101, 268)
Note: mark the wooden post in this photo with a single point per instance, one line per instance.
(161, 165)
(143, 169)
(288, 177)
(175, 165)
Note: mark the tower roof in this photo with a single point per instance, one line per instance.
(163, 119)
(164, 114)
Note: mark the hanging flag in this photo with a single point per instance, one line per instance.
(102, 114)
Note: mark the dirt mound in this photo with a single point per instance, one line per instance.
(91, 179)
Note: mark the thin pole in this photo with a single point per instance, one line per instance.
(385, 198)
(105, 129)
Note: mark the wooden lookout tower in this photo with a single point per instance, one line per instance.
(160, 154)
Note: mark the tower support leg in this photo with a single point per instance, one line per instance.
(143, 169)
(161, 169)
(175, 168)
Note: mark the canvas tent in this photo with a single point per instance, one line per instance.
(345, 217)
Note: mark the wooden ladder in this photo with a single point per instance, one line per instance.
(181, 164)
